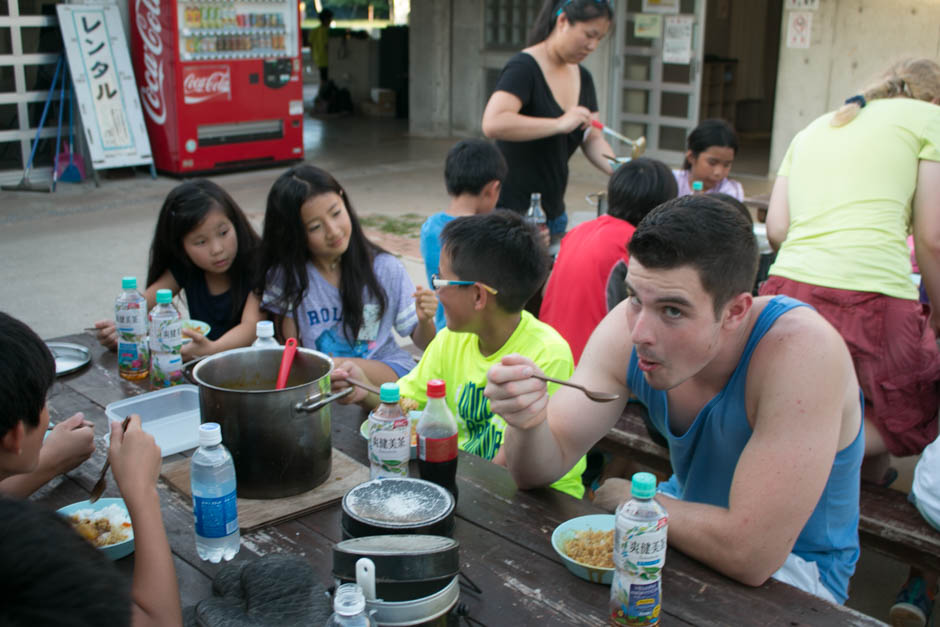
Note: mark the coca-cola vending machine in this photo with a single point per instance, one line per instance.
(220, 82)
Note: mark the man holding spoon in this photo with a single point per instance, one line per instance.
(756, 396)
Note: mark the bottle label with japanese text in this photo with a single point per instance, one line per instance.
(132, 351)
(389, 447)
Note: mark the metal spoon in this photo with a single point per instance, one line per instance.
(363, 385)
(98, 490)
(600, 397)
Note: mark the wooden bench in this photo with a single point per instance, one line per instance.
(888, 523)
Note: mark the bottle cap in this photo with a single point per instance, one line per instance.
(349, 600)
(210, 434)
(697, 186)
(164, 296)
(388, 393)
(264, 328)
(129, 283)
(535, 196)
(643, 485)
(437, 388)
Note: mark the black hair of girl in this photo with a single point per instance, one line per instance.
(707, 134)
(575, 10)
(184, 209)
(284, 247)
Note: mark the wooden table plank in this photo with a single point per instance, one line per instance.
(504, 533)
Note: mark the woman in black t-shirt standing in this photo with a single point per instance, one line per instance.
(543, 104)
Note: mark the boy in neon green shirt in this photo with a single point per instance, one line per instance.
(490, 265)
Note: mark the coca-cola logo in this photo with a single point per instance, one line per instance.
(207, 82)
(149, 28)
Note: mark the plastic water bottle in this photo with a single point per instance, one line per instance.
(265, 332)
(130, 318)
(639, 555)
(212, 476)
(535, 214)
(437, 439)
(349, 607)
(698, 188)
(389, 436)
(166, 342)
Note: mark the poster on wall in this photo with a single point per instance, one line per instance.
(660, 6)
(799, 29)
(647, 26)
(677, 40)
(105, 90)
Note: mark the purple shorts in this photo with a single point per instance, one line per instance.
(895, 355)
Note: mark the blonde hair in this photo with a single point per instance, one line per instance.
(911, 78)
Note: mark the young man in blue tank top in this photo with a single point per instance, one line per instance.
(757, 397)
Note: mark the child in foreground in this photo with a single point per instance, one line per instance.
(491, 265)
(203, 244)
(48, 581)
(27, 372)
(473, 173)
(332, 288)
(711, 148)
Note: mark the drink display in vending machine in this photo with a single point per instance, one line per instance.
(220, 82)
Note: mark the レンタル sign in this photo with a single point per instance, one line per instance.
(105, 89)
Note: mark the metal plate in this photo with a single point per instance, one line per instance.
(68, 357)
(398, 503)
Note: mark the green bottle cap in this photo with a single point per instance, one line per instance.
(643, 485)
(129, 283)
(164, 296)
(388, 393)
(697, 186)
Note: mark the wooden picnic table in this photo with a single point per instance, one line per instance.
(504, 533)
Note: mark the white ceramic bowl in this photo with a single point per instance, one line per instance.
(113, 551)
(566, 531)
(195, 325)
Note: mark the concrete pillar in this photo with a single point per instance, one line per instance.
(429, 82)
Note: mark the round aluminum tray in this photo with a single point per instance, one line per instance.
(68, 357)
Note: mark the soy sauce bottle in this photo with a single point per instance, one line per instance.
(437, 440)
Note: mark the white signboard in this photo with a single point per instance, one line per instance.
(801, 5)
(677, 40)
(660, 6)
(105, 89)
(799, 29)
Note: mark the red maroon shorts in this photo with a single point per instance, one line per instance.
(895, 355)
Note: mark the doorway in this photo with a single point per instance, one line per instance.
(739, 78)
(731, 74)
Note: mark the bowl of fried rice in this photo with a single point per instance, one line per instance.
(586, 546)
(106, 524)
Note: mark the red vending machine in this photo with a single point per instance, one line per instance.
(220, 82)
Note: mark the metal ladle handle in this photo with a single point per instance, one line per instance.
(313, 404)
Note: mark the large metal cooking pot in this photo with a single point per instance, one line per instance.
(280, 440)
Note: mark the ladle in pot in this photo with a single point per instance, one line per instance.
(287, 359)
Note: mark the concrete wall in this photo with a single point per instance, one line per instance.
(853, 41)
(449, 66)
(429, 68)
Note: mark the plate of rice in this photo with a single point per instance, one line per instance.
(586, 546)
(106, 524)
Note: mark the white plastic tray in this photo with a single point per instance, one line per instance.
(170, 415)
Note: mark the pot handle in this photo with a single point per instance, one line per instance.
(316, 403)
(188, 369)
